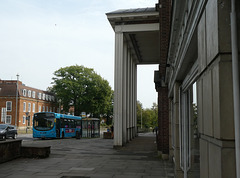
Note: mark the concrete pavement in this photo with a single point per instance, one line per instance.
(92, 158)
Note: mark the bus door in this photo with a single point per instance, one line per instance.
(58, 125)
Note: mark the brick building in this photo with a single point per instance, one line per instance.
(20, 101)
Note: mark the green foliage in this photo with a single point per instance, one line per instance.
(149, 116)
(84, 89)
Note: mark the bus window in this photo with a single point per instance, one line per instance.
(71, 123)
(64, 123)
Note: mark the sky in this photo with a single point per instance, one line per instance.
(38, 37)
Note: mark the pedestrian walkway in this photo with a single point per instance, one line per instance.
(92, 158)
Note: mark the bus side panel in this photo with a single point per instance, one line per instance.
(68, 132)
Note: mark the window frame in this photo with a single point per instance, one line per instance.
(24, 92)
(24, 106)
(24, 119)
(29, 93)
(29, 107)
(7, 106)
(8, 117)
(33, 108)
(33, 94)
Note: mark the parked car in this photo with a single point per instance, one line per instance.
(7, 131)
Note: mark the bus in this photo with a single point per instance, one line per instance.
(55, 125)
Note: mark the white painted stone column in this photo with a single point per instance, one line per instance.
(124, 96)
(135, 100)
(118, 92)
(128, 94)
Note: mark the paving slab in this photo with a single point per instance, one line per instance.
(92, 158)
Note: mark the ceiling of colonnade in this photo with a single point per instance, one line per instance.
(141, 29)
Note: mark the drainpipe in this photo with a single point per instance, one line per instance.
(236, 98)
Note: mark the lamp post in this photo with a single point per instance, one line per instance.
(16, 102)
(141, 117)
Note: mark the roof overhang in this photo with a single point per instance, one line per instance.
(141, 30)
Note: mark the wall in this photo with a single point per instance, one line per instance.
(215, 99)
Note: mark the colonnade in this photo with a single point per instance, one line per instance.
(125, 91)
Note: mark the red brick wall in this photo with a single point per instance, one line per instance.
(163, 120)
(163, 109)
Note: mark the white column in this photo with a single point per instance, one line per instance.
(128, 94)
(135, 100)
(118, 92)
(124, 88)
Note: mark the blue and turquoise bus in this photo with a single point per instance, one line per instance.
(55, 125)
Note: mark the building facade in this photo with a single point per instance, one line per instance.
(196, 46)
(18, 103)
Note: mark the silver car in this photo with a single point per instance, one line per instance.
(7, 131)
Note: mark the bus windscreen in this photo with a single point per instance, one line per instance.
(43, 121)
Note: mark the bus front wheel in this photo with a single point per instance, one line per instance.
(62, 134)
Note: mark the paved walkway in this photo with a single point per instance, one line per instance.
(92, 158)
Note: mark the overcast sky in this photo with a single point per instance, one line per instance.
(38, 37)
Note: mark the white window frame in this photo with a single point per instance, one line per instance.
(33, 108)
(44, 96)
(40, 96)
(43, 109)
(29, 93)
(8, 117)
(29, 107)
(33, 94)
(24, 106)
(9, 110)
(50, 109)
(24, 92)
(46, 108)
(47, 97)
(3, 115)
(185, 104)
(24, 119)
(39, 108)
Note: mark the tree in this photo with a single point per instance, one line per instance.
(82, 88)
(149, 116)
